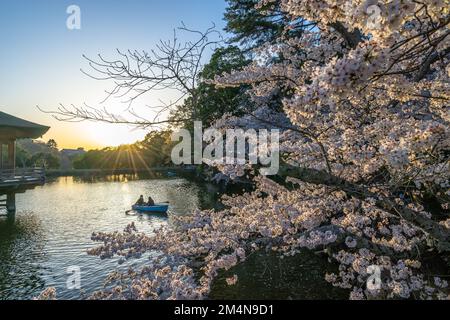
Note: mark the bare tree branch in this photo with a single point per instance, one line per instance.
(172, 65)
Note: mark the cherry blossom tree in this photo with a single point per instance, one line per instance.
(364, 116)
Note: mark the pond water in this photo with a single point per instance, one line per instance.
(51, 232)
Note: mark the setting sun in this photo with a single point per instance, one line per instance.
(103, 135)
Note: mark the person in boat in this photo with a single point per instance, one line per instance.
(140, 201)
(150, 202)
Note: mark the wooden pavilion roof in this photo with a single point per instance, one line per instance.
(12, 128)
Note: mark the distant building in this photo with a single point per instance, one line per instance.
(68, 155)
(73, 152)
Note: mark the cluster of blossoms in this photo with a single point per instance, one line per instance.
(47, 294)
(271, 218)
(365, 141)
(398, 279)
(380, 18)
(340, 76)
(370, 107)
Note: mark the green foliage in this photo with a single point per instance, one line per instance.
(47, 160)
(52, 144)
(224, 60)
(22, 157)
(156, 148)
(31, 153)
(210, 103)
(251, 27)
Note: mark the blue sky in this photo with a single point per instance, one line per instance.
(40, 59)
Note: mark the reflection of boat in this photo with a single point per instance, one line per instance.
(158, 207)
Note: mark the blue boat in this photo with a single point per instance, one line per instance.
(158, 207)
(171, 174)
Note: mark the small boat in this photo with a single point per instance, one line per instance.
(158, 207)
(171, 174)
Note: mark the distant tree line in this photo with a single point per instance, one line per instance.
(154, 150)
(31, 153)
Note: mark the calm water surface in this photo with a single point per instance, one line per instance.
(52, 228)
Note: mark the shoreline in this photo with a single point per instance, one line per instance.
(90, 172)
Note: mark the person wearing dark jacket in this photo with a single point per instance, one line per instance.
(140, 201)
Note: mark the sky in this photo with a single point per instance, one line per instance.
(40, 58)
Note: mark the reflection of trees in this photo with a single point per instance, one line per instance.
(94, 178)
(21, 251)
(266, 276)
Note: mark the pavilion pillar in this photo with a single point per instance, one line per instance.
(12, 154)
(11, 202)
(1, 154)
